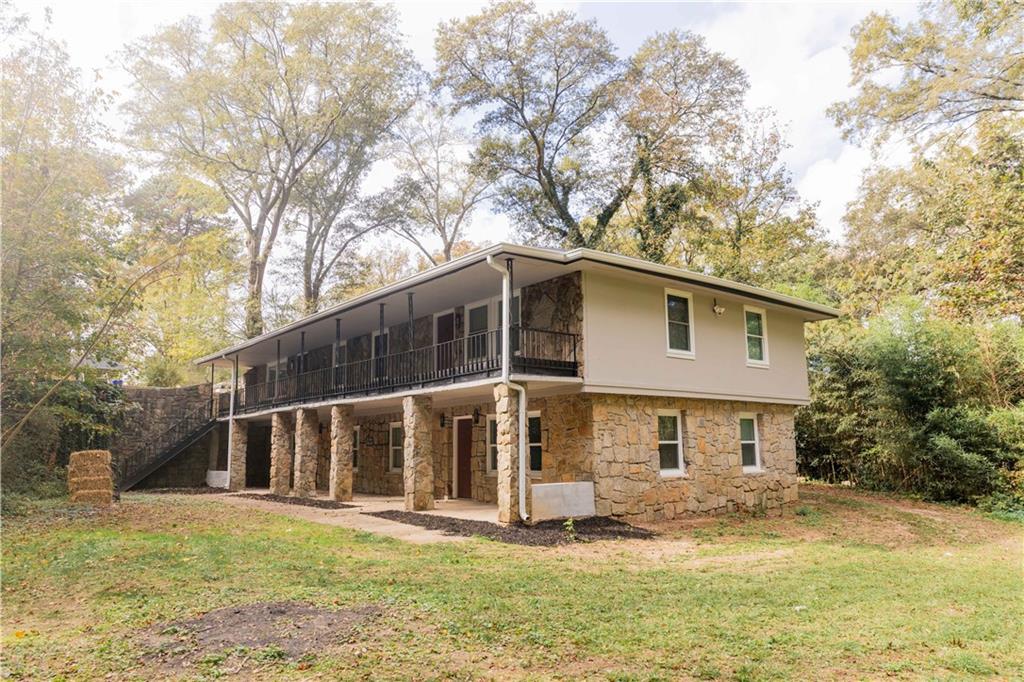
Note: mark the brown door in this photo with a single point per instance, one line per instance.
(445, 342)
(465, 449)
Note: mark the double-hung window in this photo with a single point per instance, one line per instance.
(534, 446)
(756, 330)
(355, 449)
(492, 444)
(396, 446)
(679, 323)
(670, 443)
(476, 332)
(750, 445)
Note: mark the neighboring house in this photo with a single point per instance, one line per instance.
(651, 392)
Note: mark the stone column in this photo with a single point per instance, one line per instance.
(307, 450)
(419, 452)
(507, 414)
(282, 438)
(342, 424)
(236, 458)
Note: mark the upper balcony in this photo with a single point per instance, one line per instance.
(533, 351)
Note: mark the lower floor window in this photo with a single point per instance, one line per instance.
(492, 443)
(396, 446)
(750, 447)
(355, 448)
(670, 442)
(534, 442)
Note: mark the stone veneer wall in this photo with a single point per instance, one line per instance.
(372, 476)
(627, 480)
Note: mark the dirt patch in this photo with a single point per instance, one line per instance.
(202, 490)
(300, 501)
(252, 634)
(543, 534)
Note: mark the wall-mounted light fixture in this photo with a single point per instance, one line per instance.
(476, 415)
(719, 309)
(443, 420)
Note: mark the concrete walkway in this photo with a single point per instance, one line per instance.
(355, 519)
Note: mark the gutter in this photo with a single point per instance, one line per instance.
(506, 347)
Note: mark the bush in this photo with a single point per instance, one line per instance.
(905, 403)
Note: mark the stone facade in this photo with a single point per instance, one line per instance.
(282, 452)
(236, 459)
(342, 425)
(627, 479)
(506, 404)
(418, 480)
(307, 452)
(556, 304)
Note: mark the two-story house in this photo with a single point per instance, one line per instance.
(549, 383)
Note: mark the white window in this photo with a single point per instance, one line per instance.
(355, 449)
(476, 330)
(756, 328)
(533, 440)
(670, 443)
(679, 323)
(514, 321)
(750, 445)
(492, 444)
(277, 371)
(396, 446)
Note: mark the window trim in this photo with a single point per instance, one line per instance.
(529, 444)
(391, 446)
(486, 304)
(357, 444)
(491, 471)
(669, 350)
(759, 465)
(679, 471)
(762, 364)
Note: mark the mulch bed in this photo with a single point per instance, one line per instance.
(543, 534)
(251, 633)
(204, 490)
(301, 501)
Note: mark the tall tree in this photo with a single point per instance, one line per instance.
(249, 103)
(562, 111)
(961, 60)
(440, 186)
(59, 209)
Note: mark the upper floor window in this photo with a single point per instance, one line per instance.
(396, 446)
(277, 371)
(756, 329)
(750, 444)
(679, 323)
(670, 443)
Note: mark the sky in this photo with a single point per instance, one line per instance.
(795, 55)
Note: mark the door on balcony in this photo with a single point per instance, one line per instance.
(463, 456)
(445, 341)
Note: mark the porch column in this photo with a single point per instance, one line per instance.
(307, 446)
(237, 453)
(343, 423)
(282, 439)
(418, 452)
(507, 417)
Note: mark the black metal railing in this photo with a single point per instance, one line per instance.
(536, 350)
(132, 467)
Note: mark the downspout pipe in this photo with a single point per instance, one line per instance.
(506, 363)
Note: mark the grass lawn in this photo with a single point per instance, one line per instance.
(851, 586)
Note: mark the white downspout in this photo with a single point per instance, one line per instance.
(506, 361)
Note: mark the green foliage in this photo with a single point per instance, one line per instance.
(905, 404)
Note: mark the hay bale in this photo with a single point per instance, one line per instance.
(90, 478)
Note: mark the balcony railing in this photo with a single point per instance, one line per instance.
(533, 350)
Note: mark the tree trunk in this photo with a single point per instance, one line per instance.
(254, 298)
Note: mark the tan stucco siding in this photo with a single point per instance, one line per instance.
(626, 349)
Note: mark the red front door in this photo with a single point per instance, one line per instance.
(463, 452)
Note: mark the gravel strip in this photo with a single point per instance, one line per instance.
(543, 534)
